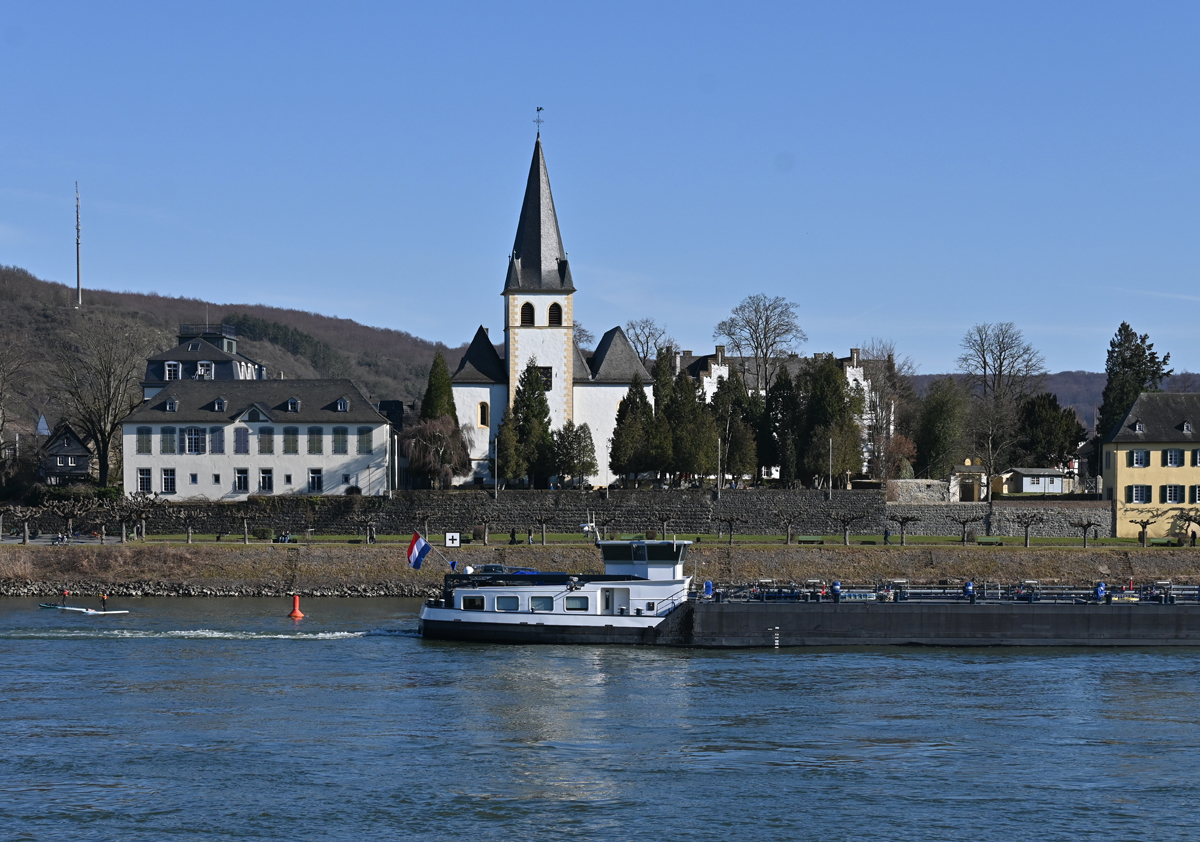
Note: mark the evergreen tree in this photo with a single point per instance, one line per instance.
(439, 395)
(1132, 367)
(831, 409)
(1049, 434)
(508, 449)
(628, 453)
(731, 407)
(941, 434)
(574, 452)
(531, 422)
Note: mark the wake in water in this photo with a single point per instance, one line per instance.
(188, 634)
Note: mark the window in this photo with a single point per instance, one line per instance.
(144, 435)
(216, 479)
(166, 442)
(195, 346)
(266, 440)
(365, 445)
(472, 603)
(254, 415)
(241, 479)
(484, 415)
(168, 480)
(341, 440)
(241, 440)
(266, 480)
(343, 405)
(173, 371)
(547, 377)
(1194, 494)
(194, 479)
(172, 405)
(291, 441)
(555, 319)
(1034, 480)
(1172, 493)
(315, 441)
(143, 485)
(345, 479)
(1139, 458)
(1187, 426)
(316, 482)
(216, 439)
(62, 460)
(1108, 460)
(650, 606)
(1139, 427)
(195, 440)
(576, 603)
(541, 603)
(1139, 494)
(1173, 458)
(287, 479)
(204, 371)
(508, 603)
(219, 404)
(293, 404)
(527, 315)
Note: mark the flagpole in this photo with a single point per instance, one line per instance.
(453, 566)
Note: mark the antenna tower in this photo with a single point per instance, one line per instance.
(78, 265)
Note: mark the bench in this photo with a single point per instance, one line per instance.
(809, 539)
(990, 542)
(1162, 542)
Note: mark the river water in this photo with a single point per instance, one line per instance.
(222, 719)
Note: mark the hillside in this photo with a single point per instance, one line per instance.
(385, 364)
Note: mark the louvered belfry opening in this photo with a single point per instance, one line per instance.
(555, 315)
(526, 315)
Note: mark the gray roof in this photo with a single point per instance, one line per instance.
(1038, 472)
(318, 402)
(538, 262)
(481, 363)
(1162, 415)
(206, 352)
(615, 360)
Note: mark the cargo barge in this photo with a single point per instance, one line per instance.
(644, 598)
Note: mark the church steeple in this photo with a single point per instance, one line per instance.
(538, 262)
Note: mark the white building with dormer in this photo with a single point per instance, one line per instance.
(539, 325)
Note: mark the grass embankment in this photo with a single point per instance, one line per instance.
(266, 569)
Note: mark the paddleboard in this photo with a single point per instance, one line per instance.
(79, 610)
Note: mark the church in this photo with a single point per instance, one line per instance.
(539, 313)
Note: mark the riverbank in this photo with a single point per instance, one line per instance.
(340, 570)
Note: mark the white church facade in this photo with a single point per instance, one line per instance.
(539, 324)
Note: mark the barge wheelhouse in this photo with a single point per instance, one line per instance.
(642, 584)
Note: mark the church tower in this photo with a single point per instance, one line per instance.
(538, 295)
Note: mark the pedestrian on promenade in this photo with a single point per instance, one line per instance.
(512, 536)
(887, 535)
(531, 536)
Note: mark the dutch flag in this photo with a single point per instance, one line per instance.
(418, 548)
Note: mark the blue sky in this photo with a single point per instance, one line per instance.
(901, 170)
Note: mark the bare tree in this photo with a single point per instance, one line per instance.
(439, 448)
(24, 515)
(648, 337)
(1001, 370)
(1144, 520)
(765, 330)
(1027, 520)
(963, 521)
(584, 338)
(788, 517)
(848, 519)
(1189, 518)
(188, 517)
(14, 358)
(140, 506)
(889, 386)
(72, 510)
(1085, 524)
(904, 521)
(95, 369)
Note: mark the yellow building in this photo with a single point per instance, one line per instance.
(1151, 464)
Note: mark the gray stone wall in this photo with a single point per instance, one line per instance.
(918, 491)
(1003, 519)
(939, 518)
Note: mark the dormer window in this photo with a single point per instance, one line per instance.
(1139, 427)
(293, 405)
(254, 415)
(1187, 426)
(219, 404)
(195, 346)
(343, 405)
(172, 405)
(174, 371)
(204, 370)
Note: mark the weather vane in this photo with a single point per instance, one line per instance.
(538, 119)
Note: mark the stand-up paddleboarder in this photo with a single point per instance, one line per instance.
(103, 602)
(66, 594)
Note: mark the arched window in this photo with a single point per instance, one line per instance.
(526, 315)
(484, 414)
(555, 315)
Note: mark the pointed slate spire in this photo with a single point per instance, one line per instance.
(538, 262)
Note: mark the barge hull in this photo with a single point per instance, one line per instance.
(744, 625)
(462, 630)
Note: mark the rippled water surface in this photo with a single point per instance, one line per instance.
(222, 719)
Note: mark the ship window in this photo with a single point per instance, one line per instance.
(541, 603)
(649, 606)
(472, 603)
(576, 603)
(508, 603)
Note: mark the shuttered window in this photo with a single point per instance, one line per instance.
(145, 435)
(341, 440)
(291, 440)
(166, 442)
(266, 440)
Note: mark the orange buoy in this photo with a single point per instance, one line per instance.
(296, 612)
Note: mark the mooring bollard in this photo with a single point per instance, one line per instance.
(296, 612)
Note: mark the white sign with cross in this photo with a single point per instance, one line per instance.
(452, 539)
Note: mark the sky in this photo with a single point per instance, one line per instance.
(901, 171)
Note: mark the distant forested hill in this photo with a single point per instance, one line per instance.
(385, 364)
